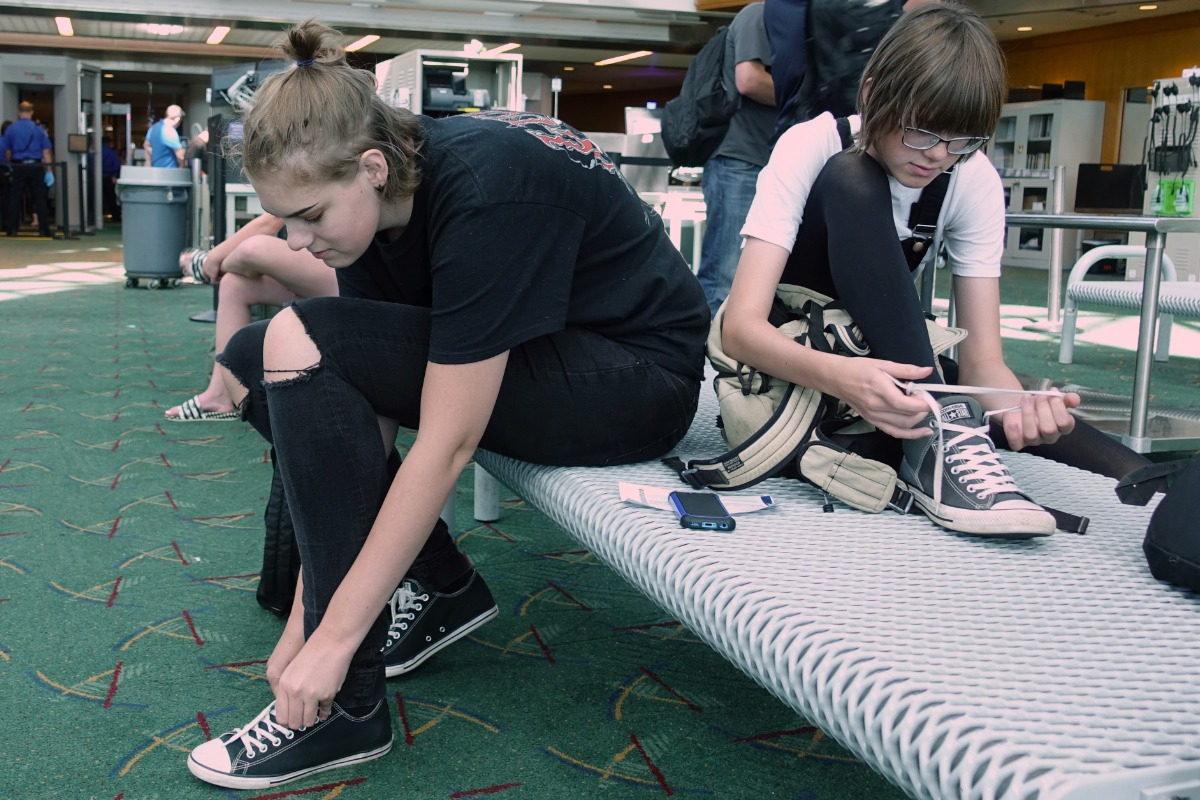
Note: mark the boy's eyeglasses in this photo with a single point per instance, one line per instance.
(920, 139)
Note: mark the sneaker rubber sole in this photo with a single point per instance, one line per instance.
(408, 666)
(235, 782)
(996, 523)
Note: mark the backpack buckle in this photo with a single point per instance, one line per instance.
(924, 231)
(902, 500)
(690, 476)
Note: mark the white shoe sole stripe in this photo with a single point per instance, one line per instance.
(399, 669)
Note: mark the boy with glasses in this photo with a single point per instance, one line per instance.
(839, 222)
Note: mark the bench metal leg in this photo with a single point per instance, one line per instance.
(487, 496)
(1066, 346)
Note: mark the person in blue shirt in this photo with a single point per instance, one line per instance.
(110, 171)
(5, 177)
(29, 152)
(163, 146)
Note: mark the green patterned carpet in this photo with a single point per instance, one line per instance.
(129, 633)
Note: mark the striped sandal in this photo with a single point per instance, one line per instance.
(192, 263)
(190, 411)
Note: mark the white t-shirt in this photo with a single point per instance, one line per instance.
(972, 214)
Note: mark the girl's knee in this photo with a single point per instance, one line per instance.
(288, 351)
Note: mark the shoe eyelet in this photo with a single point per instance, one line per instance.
(442, 629)
(429, 638)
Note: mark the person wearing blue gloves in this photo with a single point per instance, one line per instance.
(28, 150)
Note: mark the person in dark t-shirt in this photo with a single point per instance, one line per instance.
(501, 286)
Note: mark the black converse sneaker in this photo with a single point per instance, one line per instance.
(425, 621)
(959, 481)
(265, 754)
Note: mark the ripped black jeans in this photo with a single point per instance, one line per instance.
(573, 398)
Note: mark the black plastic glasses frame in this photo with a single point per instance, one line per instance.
(969, 143)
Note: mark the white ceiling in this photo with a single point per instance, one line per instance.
(553, 33)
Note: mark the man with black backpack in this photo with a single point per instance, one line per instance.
(731, 172)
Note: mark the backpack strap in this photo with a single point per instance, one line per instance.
(923, 218)
(843, 129)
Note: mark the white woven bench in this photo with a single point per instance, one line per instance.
(1175, 297)
(958, 667)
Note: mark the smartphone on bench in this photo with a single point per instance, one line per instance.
(701, 511)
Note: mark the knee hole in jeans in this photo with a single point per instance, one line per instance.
(289, 353)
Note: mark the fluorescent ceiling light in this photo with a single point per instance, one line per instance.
(218, 35)
(1148, 8)
(606, 86)
(504, 48)
(64, 26)
(1024, 29)
(626, 57)
(361, 43)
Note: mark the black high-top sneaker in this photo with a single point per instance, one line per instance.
(424, 621)
(959, 481)
(264, 753)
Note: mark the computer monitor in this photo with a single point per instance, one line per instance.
(1110, 188)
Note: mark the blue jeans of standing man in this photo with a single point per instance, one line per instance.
(728, 191)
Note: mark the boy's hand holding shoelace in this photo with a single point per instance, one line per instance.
(1041, 416)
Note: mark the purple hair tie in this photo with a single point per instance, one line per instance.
(308, 62)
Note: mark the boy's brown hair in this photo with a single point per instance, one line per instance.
(938, 68)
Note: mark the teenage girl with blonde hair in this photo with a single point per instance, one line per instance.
(501, 286)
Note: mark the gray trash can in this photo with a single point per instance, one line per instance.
(154, 212)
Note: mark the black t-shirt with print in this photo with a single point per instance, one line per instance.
(523, 227)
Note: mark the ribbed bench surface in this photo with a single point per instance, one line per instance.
(959, 667)
(1174, 297)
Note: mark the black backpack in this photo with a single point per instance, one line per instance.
(1172, 544)
(695, 123)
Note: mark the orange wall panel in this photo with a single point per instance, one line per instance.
(1110, 59)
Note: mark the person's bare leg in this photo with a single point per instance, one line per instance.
(298, 271)
(262, 270)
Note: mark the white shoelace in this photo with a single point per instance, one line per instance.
(402, 603)
(986, 473)
(260, 730)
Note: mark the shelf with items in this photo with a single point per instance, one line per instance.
(1030, 141)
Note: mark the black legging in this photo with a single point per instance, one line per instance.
(847, 248)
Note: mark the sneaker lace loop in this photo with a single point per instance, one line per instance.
(985, 473)
(977, 457)
(260, 730)
(401, 605)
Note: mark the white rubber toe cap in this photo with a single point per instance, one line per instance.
(213, 755)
